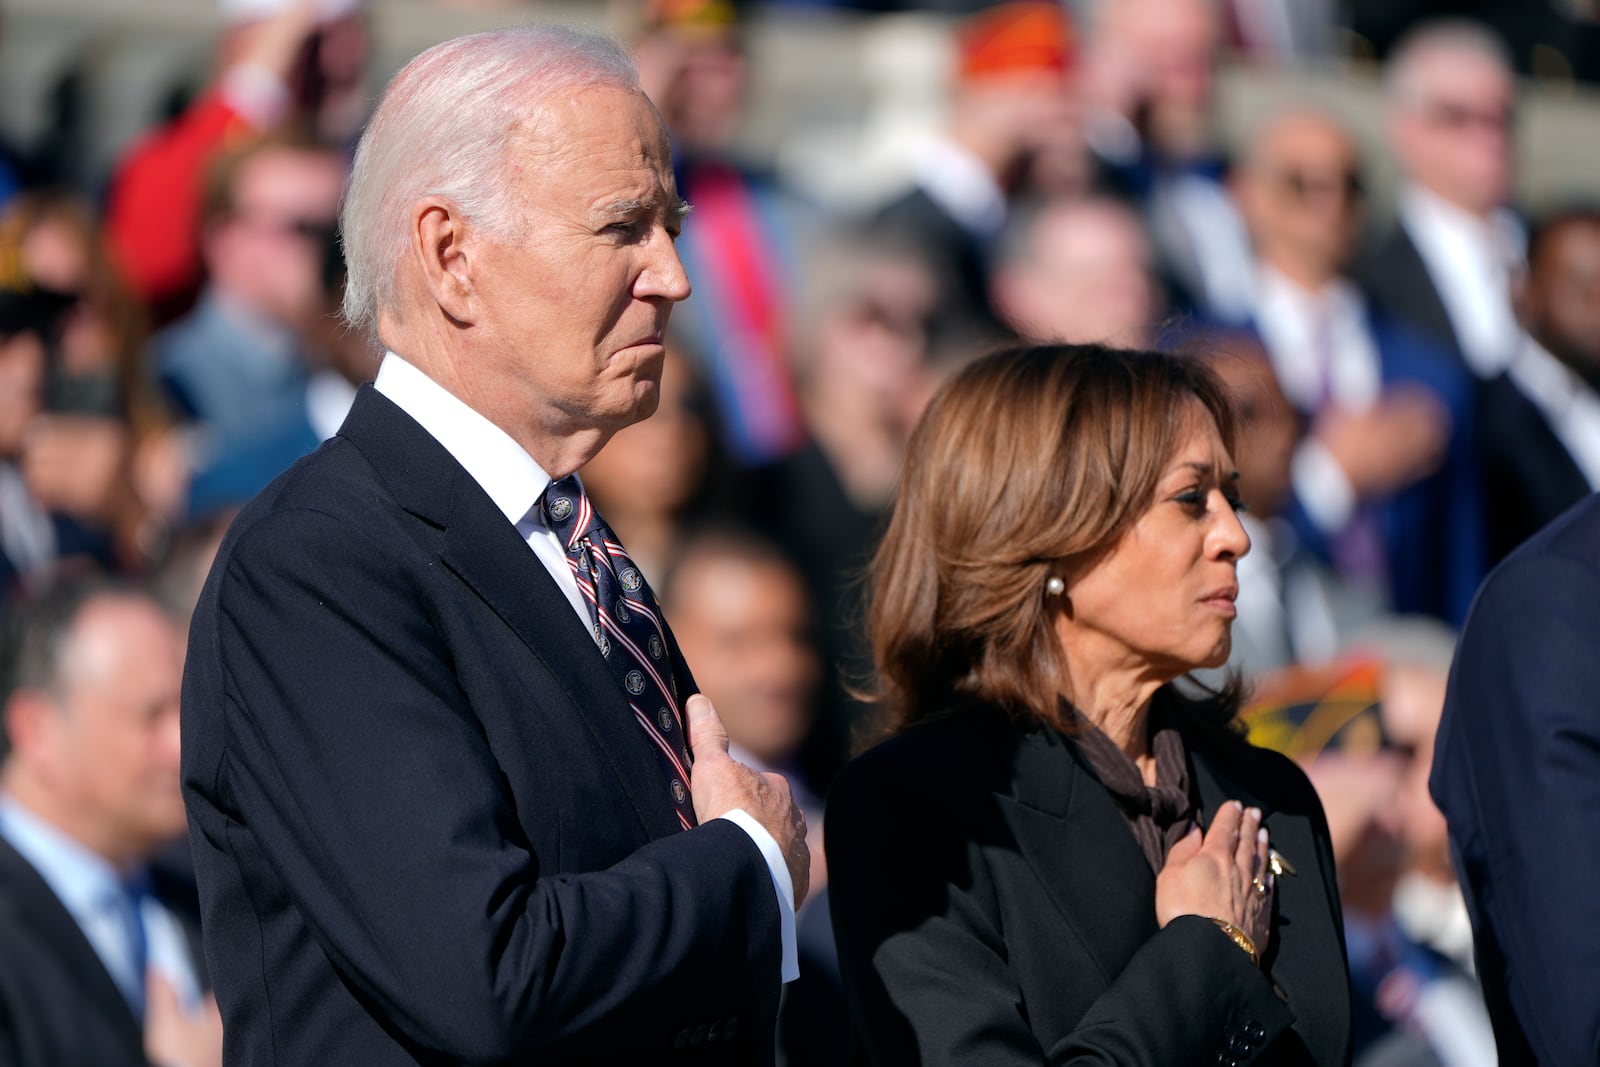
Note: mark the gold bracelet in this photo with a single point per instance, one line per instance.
(1240, 938)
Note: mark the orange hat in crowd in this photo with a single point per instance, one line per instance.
(691, 14)
(1033, 36)
(1304, 711)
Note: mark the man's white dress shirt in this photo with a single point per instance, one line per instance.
(1472, 263)
(1323, 354)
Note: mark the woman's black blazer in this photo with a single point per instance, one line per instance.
(992, 908)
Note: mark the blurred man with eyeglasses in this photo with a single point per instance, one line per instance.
(279, 63)
(235, 366)
(1449, 264)
(1385, 487)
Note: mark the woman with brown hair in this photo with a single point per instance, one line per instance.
(1059, 856)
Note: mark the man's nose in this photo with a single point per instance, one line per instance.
(664, 275)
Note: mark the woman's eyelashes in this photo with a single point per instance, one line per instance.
(1196, 498)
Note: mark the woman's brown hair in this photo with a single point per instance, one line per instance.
(1026, 461)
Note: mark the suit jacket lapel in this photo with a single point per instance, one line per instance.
(1069, 830)
(479, 546)
(39, 909)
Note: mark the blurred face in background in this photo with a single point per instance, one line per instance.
(869, 346)
(56, 255)
(1361, 794)
(21, 388)
(1086, 275)
(267, 251)
(1451, 124)
(655, 466)
(743, 625)
(1301, 195)
(1412, 702)
(696, 77)
(1154, 61)
(105, 746)
(1267, 428)
(1561, 300)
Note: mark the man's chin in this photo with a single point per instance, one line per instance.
(646, 398)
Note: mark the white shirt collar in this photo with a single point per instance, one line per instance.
(1288, 316)
(82, 879)
(511, 477)
(1427, 210)
(328, 398)
(958, 182)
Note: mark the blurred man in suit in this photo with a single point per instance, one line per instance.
(279, 64)
(1539, 423)
(746, 247)
(98, 963)
(1385, 482)
(236, 365)
(1516, 771)
(1448, 265)
(437, 737)
(1011, 132)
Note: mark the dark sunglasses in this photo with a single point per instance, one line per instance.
(1458, 118)
(1308, 185)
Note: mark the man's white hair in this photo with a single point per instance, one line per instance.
(1403, 72)
(445, 126)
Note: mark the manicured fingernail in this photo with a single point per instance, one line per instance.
(1255, 813)
(1262, 835)
(1238, 805)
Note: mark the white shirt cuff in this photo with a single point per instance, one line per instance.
(1322, 487)
(781, 882)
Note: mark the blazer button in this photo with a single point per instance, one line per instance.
(699, 1035)
(1239, 1046)
(683, 1038)
(715, 1031)
(1255, 1033)
(730, 1029)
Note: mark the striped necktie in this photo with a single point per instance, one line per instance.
(628, 629)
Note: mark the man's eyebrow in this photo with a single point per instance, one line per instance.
(626, 206)
(635, 206)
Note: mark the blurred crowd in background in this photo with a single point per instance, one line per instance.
(1418, 380)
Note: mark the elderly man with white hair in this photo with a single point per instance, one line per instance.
(452, 795)
(1448, 265)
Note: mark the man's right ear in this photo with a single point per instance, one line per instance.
(28, 719)
(440, 240)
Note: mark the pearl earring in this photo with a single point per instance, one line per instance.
(1054, 586)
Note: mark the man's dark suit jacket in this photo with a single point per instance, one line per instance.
(1529, 477)
(426, 826)
(993, 907)
(59, 1006)
(1397, 283)
(1516, 771)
